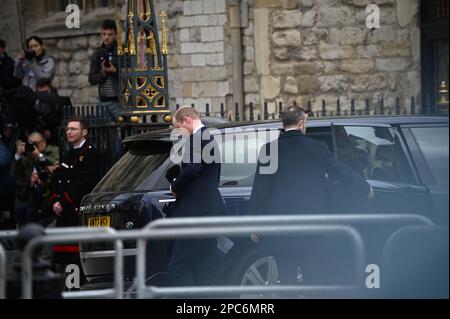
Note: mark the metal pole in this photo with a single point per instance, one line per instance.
(236, 44)
(2, 273)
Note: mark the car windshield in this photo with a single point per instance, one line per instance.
(137, 169)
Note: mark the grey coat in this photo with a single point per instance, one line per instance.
(32, 71)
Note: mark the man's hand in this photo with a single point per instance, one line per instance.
(108, 70)
(58, 209)
(35, 180)
(51, 169)
(20, 148)
(173, 193)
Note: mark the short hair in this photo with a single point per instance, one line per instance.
(109, 24)
(186, 111)
(82, 121)
(292, 116)
(2, 44)
(35, 38)
(44, 82)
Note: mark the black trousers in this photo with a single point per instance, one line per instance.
(193, 263)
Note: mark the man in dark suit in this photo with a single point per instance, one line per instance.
(196, 189)
(299, 186)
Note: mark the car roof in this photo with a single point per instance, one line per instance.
(164, 134)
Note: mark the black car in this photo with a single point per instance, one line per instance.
(405, 159)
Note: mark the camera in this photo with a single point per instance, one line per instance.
(107, 63)
(30, 54)
(41, 165)
(29, 148)
(106, 57)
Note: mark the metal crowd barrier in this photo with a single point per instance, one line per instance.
(191, 233)
(69, 231)
(202, 227)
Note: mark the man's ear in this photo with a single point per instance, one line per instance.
(84, 132)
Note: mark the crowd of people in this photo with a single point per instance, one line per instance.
(31, 117)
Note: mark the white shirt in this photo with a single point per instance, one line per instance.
(198, 128)
(79, 145)
(292, 129)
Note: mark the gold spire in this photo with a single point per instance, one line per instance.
(131, 39)
(164, 48)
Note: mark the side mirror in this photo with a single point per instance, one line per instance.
(173, 173)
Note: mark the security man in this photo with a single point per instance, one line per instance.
(76, 176)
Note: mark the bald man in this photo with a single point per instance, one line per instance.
(33, 186)
(197, 194)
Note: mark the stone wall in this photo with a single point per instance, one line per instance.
(293, 50)
(322, 50)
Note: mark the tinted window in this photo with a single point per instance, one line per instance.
(137, 169)
(373, 152)
(239, 154)
(433, 142)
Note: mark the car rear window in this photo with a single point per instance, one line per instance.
(138, 169)
(433, 142)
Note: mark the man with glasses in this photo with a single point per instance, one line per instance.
(75, 177)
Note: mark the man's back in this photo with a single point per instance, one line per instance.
(197, 186)
(300, 185)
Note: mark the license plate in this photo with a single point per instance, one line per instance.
(104, 221)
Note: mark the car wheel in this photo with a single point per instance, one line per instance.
(259, 270)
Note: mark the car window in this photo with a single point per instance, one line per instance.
(239, 152)
(240, 155)
(373, 152)
(137, 169)
(433, 142)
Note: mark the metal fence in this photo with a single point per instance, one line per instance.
(202, 228)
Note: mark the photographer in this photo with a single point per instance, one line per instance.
(104, 69)
(33, 164)
(49, 110)
(34, 64)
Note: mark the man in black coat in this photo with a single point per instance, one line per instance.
(7, 79)
(300, 185)
(196, 189)
(76, 176)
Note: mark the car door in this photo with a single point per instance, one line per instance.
(429, 147)
(378, 153)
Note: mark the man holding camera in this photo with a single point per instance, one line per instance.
(33, 164)
(104, 69)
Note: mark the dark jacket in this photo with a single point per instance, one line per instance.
(7, 184)
(76, 176)
(7, 79)
(301, 183)
(197, 185)
(95, 76)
